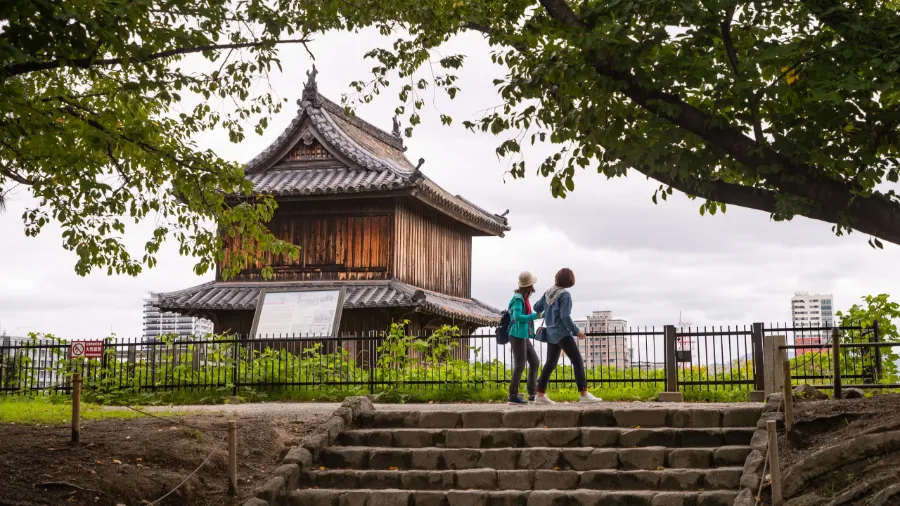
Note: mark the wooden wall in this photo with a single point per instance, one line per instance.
(432, 251)
(339, 240)
(362, 239)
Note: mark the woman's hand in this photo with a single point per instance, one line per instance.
(580, 334)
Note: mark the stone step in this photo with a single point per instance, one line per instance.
(530, 417)
(725, 478)
(580, 459)
(558, 437)
(331, 497)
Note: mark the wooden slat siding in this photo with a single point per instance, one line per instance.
(338, 240)
(431, 250)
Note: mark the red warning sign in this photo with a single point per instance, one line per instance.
(86, 349)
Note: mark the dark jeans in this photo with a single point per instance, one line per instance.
(522, 351)
(568, 345)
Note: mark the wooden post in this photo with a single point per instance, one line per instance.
(232, 457)
(836, 357)
(774, 463)
(772, 354)
(788, 397)
(76, 407)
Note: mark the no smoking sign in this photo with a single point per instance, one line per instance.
(86, 349)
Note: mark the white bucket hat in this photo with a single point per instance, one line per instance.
(526, 279)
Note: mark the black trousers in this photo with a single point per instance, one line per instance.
(571, 348)
(523, 351)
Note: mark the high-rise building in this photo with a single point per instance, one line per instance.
(608, 350)
(158, 323)
(814, 311)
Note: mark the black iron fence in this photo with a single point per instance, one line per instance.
(650, 359)
(866, 361)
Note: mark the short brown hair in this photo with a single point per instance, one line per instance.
(565, 278)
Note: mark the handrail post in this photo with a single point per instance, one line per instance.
(788, 397)
(774, 463)
(836, 357)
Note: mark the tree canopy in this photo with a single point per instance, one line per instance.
(93, 123)
(787, 107)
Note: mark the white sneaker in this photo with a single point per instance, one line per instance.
(543, 399)
(588, 398)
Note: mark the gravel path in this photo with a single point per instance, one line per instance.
(302, 409)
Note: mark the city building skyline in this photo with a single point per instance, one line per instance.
(606, 350)
(157, 323)
(811, 310)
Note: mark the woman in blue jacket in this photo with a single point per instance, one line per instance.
(559, 332)
(521, 330)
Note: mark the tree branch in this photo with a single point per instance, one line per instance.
(725, 25)
(84, 63)
(560, 11)
(15, 177)
(762, 199)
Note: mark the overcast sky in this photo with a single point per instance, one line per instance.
(644, 262)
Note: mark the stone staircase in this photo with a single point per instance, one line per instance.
(534, 457)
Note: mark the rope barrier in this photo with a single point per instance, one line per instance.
(176, 422)
(183, 481)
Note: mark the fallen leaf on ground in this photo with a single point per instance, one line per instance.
(393, 468)
(115, 461)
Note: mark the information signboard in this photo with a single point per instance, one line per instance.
(86, 349)
(312, 312)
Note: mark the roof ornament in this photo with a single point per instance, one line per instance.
(417, 175)
(311, 90)
(396, 130)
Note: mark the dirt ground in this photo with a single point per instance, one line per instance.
(820, 424)
(136, 460)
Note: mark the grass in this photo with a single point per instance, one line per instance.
(57, 410)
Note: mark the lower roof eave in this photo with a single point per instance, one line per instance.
(213, 297)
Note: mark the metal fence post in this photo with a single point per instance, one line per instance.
(836, 357)
(235, 366)
(671, 364)
(877, 339)
(759, 376)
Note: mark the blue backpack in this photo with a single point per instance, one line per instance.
(503, 329)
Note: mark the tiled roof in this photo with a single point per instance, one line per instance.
(367, 159)
(325, 180)
(240, 296)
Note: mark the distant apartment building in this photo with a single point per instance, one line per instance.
(28, 364)
(158, 323)
(609, 350)
(811, 310)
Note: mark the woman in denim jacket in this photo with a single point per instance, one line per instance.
(521, 330)
(560, 329)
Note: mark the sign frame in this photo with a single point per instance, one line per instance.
(338, 314)
(88, 349)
